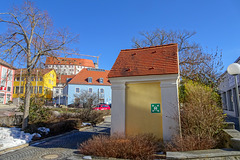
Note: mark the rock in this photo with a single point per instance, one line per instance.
(56, 114)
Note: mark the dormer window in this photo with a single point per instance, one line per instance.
(100, 80)
(89, 79)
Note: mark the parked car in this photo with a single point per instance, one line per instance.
(102, 107)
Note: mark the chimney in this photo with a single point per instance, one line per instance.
(96, 65)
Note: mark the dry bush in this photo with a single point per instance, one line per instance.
(201, 118)
(190, 142)
(117, 146)
(89, 115)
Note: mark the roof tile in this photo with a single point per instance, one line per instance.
(82, 77)
(69, 61)
(156, 60)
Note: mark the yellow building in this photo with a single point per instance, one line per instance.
(42, 82)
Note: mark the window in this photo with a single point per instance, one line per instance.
(230, 100)
(21, 89)
(17, 90)
(49, 81)
(17, 79)
(90, 90)
(41, 79)
(100, 80)
(89, 79)
(32, 78)
(101, 90)
(40, 89)
(9, 74)
(4, 72)
(57, 90)
(9, 89)
(77, 90)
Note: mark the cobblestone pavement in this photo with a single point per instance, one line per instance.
(60, 148)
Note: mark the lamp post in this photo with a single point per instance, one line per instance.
(234, 69)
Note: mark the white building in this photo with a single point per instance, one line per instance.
(68, 66)
(227, 90)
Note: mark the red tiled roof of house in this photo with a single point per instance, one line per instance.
(69, 61)
(156, 60)
(34, 71)
(82, 77)
(64, 78)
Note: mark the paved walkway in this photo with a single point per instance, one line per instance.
(60, 148)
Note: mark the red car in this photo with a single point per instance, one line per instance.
(102, 107)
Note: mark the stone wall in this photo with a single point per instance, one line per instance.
(12, 120)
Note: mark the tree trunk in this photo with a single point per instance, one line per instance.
(27, 99)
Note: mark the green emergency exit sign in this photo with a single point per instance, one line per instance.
(155, 108)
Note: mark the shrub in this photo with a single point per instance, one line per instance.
(89, 115)
(63, 126)
(201, 118)
(117, 146)
(37, 112)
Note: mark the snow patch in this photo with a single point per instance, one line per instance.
(12, 137)
(86, 124)
(44, 130)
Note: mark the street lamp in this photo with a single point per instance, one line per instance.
(234, 69)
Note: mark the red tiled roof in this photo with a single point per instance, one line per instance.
(82, 77)
(157, 60)
(34, 71)
(64, 78)
(69, 61)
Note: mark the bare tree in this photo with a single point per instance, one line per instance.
(29, 38)
(85, 99)
(195, 63)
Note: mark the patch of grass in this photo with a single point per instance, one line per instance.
(117, 146)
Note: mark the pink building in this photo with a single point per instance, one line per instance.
(6, 81)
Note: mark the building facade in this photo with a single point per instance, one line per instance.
(91, 80)
(227, 90)
(7, 72)
(58, 97)
(68, 66)
(42, 83)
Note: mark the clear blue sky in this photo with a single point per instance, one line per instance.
(107, 26)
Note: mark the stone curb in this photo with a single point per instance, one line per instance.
(46, 139)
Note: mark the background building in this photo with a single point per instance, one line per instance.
(227, 90)
(7, 78)
(58, 96)
(68, 66)
(94, 81)
(42, 82)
